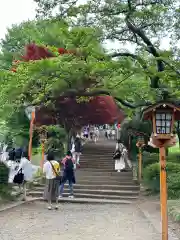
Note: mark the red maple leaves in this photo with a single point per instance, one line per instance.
(34, 52)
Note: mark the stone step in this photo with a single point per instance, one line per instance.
(105, 182)
(95, 169)
(100, 187)
(99, 181)
(90, 200)
(99, 192)
(92, 172)
(97, 160)
(104, 178)
(97, 155)
(97, 163)
(104, 169)
(82, 195)
(99, 166)
(98, 150)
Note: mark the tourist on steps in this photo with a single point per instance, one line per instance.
(96, 134)
(26, 167)
(76, 151)
(121, 157)
(52, 171)
(113, 134)
(68, 174)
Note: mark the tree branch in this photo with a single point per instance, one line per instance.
(74, 93)
(133, 56)
(151, 49)
(121, 81)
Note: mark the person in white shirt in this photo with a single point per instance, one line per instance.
(96, 134)
(113, 133)
(108, 133)
(51, 170)
(20, 172)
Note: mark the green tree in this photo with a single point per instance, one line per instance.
(40, 82)
(139, 23)
(56, 141)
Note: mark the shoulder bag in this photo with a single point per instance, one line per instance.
(58, 176)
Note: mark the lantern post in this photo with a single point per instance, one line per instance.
(30, 113)
(163, 115)
(140, 143)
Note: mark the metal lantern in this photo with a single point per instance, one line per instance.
(140, 140)
(163, 116)
(164, 120)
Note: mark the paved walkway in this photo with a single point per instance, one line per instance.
(76, 222)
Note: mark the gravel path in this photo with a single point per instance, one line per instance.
(75, 222)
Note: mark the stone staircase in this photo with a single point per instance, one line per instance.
(97, 181)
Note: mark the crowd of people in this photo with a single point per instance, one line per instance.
(91, 133)
(21, 169)
(58, 172)
(110, 133)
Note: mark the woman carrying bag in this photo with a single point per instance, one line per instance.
(121, 157)
(118, 157)
(51, 170)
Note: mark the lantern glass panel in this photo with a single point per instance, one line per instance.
(168, 130)
(163, 123)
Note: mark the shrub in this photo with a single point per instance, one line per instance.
(149, 158)
(4, 173)
(6, 192)
(55, 141)
(173, 181)
(173, 157)
(151, 176)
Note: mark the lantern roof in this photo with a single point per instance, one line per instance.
(163, 105)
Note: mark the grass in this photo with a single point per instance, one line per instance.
(6, 193)
(175, 149)
(174, 156)
(174, 209)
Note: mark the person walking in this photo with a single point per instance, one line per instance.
(51, 169)
(24, 172)
(121, 158)
(76, 151)
(86, 133)
(118, 157)
(108, 133)
(113, 134)
(96, 134)
(68, 174)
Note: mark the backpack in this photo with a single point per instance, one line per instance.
(12, 155)
(19, 177)
(69, 165)
(78, 145)
(117, 154)
(18, 153)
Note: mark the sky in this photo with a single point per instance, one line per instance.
(16, 11)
